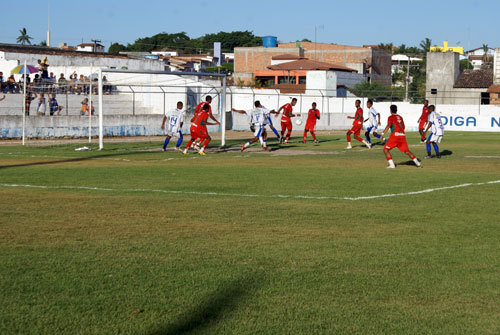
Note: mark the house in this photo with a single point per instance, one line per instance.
(399, 62)
(477, 57)
(446, 48)
(446, 84)
(189, 63)
(166, 52)
(374, 63)
(90, 47)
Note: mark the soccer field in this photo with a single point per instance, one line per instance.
(305, 239)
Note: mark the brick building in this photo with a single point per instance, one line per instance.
(372, 62)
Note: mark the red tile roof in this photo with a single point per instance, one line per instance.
(474, 79)
(309, 65)
(286, 57)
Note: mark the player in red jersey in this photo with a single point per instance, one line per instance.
(357, 125)
(198, 129)
(208, 101)
(312, 116)
(398, 138)
(422, 121)
(286, 119)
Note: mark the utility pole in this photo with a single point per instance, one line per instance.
(95, 44)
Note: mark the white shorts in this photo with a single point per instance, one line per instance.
(435, 138)
(173, 132)
(258, 130)
(371, 128)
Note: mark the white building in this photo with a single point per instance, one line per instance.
(90, 47)
(166, 52)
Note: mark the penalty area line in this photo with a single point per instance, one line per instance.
(241, 195)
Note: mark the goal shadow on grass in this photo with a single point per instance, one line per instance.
(212, 308)
(71, 160)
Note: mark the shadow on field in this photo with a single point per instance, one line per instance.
(446, 153)
(70, 160)
(212, 308)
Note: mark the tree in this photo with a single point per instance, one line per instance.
(425, 45)
(305, 40)
(465, 65)
(387, 46)
(115, 48)
(401, 49)
(24, 38)
(487, 63)
(43, 43)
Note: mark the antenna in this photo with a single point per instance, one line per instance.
(48, 23)
(95, 45)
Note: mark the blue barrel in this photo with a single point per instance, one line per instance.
(269, 41)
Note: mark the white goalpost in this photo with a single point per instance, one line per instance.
(150, 93)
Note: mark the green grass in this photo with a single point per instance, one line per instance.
(80, 261)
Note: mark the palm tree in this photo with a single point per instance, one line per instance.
(426, 45)
(24, 38)
(486, 58)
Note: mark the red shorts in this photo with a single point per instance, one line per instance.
(311, 126)
(421, 125)
(356, 129)
(397, 142)
(198, 132)
(286, 125)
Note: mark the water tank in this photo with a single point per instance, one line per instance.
(269, 41)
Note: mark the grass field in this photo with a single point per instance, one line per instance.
(132, 240)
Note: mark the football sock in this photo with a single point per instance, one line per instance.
(264, 144)
(276, 133)
(288, 134)
(391, 162)
(206, 143)
(261, 140)
(348, 138)
(305, 136)
(358, 138)
(189, 143)
(368, 139)
(179, 141)
(415, 160)
(422, 137)
(248, 144)
(428, 145)
(436, 148)
(166, 142)
(313, 135)
(413, 157)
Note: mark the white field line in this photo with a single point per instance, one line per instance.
(482, 156)
(389, 195)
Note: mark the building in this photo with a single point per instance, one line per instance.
(446, 48)
(189, 63)
(69, 61)
(166, 52)
(446, 84)
(90, 47)
(374, 63)
(477, 57)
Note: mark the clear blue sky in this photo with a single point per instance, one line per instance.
(351, 22)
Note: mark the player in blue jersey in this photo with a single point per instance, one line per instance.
(437, 131)
(175, 119)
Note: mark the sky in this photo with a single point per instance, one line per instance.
(351, 22)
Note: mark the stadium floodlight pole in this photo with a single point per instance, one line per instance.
(90, 103)
(24, 102)
(99, 83)
(223, 114)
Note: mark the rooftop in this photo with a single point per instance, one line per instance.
(474, 79)
(35, 49)
(309, 65)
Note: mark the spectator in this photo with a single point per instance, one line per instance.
(2, 84)
(37, 83)
(74, 83)
(42, 105)
(30, 96)
(85, 105)
(44, 65)
(52, 81)
(81, 84)
(54, 106)
(105, 87)
(11, 84)
(39, 65)
(62, 84)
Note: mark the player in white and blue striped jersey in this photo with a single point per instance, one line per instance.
(373, 123)
(175, 118)
(269, 122)
(258, 122)
(437, 131)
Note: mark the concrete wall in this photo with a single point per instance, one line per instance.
(69, 64)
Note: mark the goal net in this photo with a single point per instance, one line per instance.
(132, 102)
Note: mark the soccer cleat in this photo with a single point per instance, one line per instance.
(202, 153)
(368, 145)
(196, 147)
(391, 167)
(428, 156)
(265, 148)
(243, 147)
(316, 141)
(163, 149)
(177, 149)
(438, 156)
(422, 141)
(185, 152)
(349, 146)
(286, 142)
